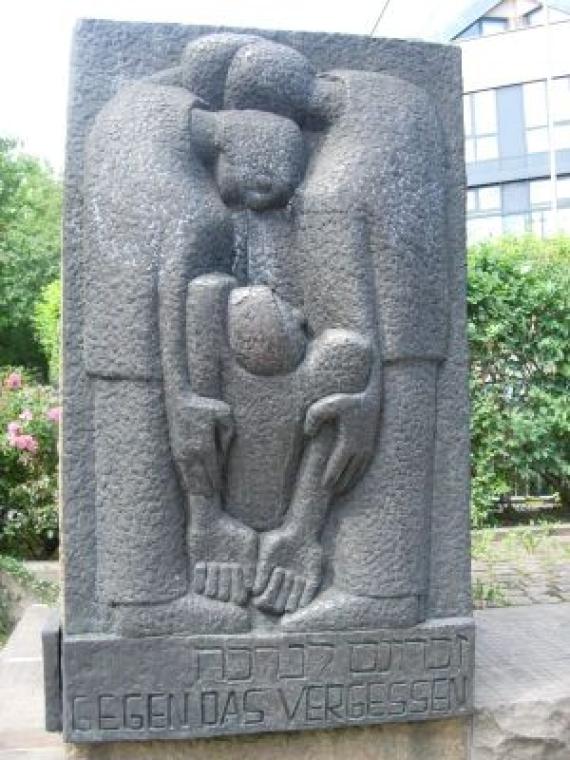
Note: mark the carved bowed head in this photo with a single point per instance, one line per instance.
(242, 72)
(258, 158)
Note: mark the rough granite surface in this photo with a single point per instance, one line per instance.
(108, 55)
(522, 684)
(265, 465)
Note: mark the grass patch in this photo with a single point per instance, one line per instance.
(489, 594)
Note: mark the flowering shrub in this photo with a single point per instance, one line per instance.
(29, 421)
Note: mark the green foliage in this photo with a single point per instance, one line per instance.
(30, 212)
(5, 617)
(482, 544)
(519, 336)
(46, 321)
(488, 594)
(45, 591)
(29, 418)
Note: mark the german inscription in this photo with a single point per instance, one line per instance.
(232, 685)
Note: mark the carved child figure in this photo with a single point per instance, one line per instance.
(256, 471)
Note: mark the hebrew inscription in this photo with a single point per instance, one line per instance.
(321, 681)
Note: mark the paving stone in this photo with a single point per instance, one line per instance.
(22, 734)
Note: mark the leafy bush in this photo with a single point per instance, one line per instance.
(46, 321)
(519, 336)
(30, 221)
(29, 418)
(5, 616)
(26, 581)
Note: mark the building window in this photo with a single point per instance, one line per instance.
(489, 198)
(544, 222)
(541, 203)
(536, 117)
(515, 224)
(540, 192)
(563, 201)
(482, 200)
(537, 17)
(514, 18)
(491, 25)
(563, 190)
(561, 112)
(480, 116)
(495, 210)
(484, 213)
(483, 228)
(563, 193)
(484, 27)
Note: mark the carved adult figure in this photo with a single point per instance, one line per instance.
(272, 472)
(156, 221)
(371, 210)
(344, 253)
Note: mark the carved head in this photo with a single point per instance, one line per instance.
(243, 71)
(266, 334)
(258, 158)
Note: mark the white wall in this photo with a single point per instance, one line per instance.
(516, 56)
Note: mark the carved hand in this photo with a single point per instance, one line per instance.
(289, 569)
(201, 430)
(356, 417)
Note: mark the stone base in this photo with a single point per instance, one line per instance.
(522, 684)
(185, 687)
(433, 740)
(522, 705)
(529, 731)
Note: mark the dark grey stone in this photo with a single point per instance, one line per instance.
(51, 653)
(265, 400)
(170, 687)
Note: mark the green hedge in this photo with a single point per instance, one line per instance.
(519, 338)
(30, 231)
(47, 323)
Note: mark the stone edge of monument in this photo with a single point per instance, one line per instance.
(449, 590)
(183, 687)
(51, 651)
(98, 68)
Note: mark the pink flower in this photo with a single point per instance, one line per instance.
(19, 441)
(26, 415)
(13, 381)
(54, 414)
(14, 429)
(26, 443)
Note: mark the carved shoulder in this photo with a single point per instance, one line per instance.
(146, 199)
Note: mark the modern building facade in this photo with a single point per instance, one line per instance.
(516, 69)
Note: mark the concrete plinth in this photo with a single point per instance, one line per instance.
(433, 740)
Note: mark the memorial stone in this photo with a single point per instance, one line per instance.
(265, 436)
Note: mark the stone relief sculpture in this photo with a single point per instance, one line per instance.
(274, 239)
(265, 437)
